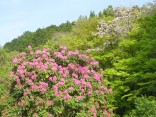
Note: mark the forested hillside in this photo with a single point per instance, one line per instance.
(37, 38)
(101, 65)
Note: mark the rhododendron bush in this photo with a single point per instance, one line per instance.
(63, 84)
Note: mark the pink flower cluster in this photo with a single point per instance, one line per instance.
(75, 72)
(67, 74)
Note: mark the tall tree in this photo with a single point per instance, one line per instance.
(108, 11)
(92, 14)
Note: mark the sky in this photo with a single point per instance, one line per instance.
(18, 16)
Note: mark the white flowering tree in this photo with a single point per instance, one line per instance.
(122, 23)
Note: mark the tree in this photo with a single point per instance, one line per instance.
(100, 14)
(92, 14)
(38, 38)
(113, 30)
(109, 11)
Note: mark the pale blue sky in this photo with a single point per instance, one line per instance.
(18, 16)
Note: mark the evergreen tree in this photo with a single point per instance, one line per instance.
(100, 14)
(92, 14)
(108, 11)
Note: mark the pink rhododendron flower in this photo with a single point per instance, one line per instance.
(81, 69)
(48, 102)
(44, 55)
(54, 69)
(25, 94)
(30, 82)
(60, 83)
(89, 92)
(67, 97)
(19, 104)
(50, 78)
(89, 85)
(43, 89)
(63, 48)
(64, 57)
(110, 91)
(15, 61)
(80, 97)
(75, 75)
(85, 76)
(62, 80)
(92, 110)
(52, 60)
(106, 89)
(17, 79)
(101, 87)
(38, 52)
(43, 84)
(31, 53)
(54, 79)
(65, 92)
(34, 76)
(60, 72)
(82, 90)
(11, 74)
(34, 87)
(88, 50)
(63, 51)
(95, 63)
(83, 81)
(71, 66)
(29, 47)
(71, 88)
(97, 76)
(77, 82)
(94, 115)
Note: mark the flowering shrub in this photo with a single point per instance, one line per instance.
(63, 83)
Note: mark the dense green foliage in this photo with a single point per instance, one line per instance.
(144, 107)
(5, 67)
(123, 40)
(133, 70)
(38, 38)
